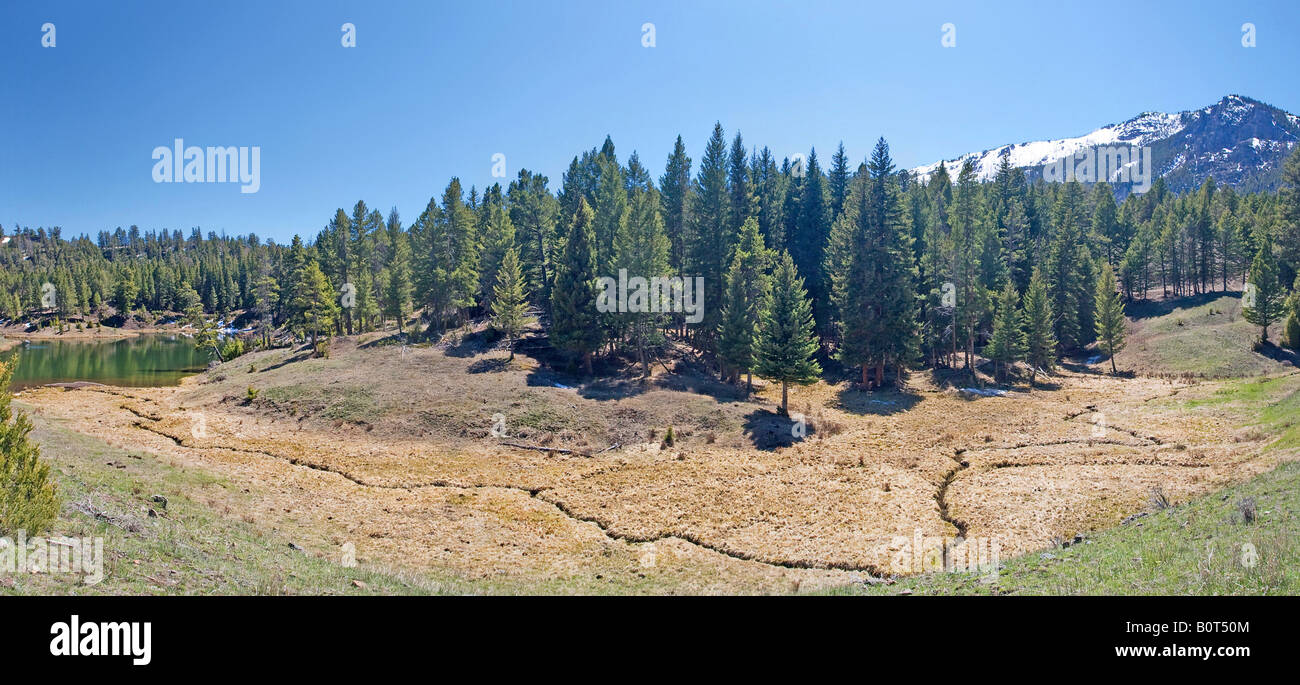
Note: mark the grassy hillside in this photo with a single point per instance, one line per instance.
(1203, 336)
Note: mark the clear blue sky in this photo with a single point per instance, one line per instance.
(434, 89)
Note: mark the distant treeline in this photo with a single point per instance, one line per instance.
(892, 271)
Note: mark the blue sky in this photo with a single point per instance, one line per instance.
(435, 89)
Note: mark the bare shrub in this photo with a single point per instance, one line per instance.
(1158, 500)
(1246, 506)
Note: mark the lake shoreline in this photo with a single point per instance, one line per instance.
(14, 336)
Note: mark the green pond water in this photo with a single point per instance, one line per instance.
(149, 360)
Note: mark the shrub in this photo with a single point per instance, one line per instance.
(252, 393)
(27, 497)
(231, 348)
(1247, 508)
(669, 438)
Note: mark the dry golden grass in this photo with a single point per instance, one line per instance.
(412, 477)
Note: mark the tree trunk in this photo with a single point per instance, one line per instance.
(785, 398)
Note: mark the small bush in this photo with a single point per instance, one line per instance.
(252, 393)
(1246, 506)
(1159, 501)
(669, 438)
(233, 347)
(28, 500)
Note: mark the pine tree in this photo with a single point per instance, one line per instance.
(675, 198)
(743, 301)
(739, 187)
(807, 242)
(28, 500)
(710, 236)
(838, 181)
(1110, 315)
(449, 253)
(1009, 343)
(266, 294)
(498, 234)
(896, 275)
(1040, 348)
(509, 301)
(1263, 302)
(533, 212)
(786, 343)
(397, 285)
(1065, 268)
(643, 251)
(973, 301)
(851, 261)
(575, 328)
(312, 307)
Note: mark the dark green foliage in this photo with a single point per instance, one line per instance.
(1263, 302)
(787, 345)
(743, 300)
(1040, 340)
(509, 301)
(575, 328)
(1110, 315)
(1008, 344)
(28, 501)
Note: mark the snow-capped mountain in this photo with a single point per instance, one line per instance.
(1238, 141)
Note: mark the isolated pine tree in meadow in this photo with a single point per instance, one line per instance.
(1008, 344)
(575, 328)
(509, 301)
(743, 301)
(1040, 340)
(1263, 302)
(1109, 315)
(786, 342)
(28, 501)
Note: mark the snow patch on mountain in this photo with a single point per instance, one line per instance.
(1140, 130)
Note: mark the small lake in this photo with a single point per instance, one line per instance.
(140, 361)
